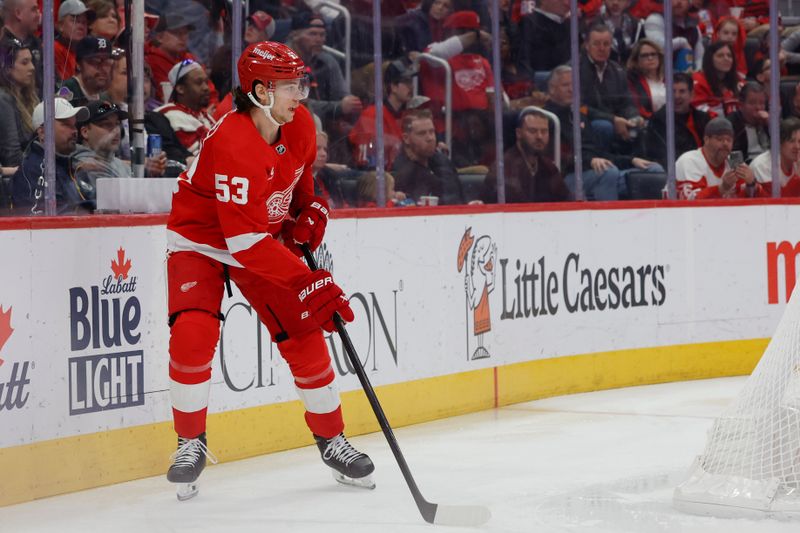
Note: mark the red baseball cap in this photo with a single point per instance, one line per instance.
(262, 21)
(463, 20)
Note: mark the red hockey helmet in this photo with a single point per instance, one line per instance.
(268, 61)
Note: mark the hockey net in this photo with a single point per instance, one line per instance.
(751, 463)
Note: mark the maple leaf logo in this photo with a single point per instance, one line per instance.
(5, 328)
(121, 266)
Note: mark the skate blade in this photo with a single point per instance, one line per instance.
(187, 491)
(365, 482)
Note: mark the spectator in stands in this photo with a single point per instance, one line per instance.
(106, 23)
(72, 26)
(420, 169)
(328, 98)
(21, 19)
(690, 123)
(791, 47)
(754, 12)
(544, 37)
(731, 30)
(398, 88)
(517, 85)
(329, 177)
(603, 172)
(646, 78)
(751, 121)
(789, 161)
(73, 195)
(707, 171)
(367, 191)
(18, 98)
(530, 174)
(169, 46)
(99, 137)
(604, 90)
(187, 112)
(465, 49)
(422, 26)
(687, 42)
(93, 75)
(716, 87)
(625, 28)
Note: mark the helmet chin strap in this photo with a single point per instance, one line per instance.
(267, 109)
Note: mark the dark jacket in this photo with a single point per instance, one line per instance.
(740, 135)
(13, 135)
(73, 195)
(607, 98)
(439, 178)
(547, 185)
(589, 148)
(688, 134)
(544, 43)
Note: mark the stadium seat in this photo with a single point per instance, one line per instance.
(471, 186)
(645, 185)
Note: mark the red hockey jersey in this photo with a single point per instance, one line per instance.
(232, 201)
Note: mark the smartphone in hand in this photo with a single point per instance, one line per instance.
(735, 159)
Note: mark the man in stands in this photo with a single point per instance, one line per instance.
(169, 46)
(99, 135)
(328, 98)
(530, 174)
(789, 161)
(93, 76)
(690, 123)
(420, 169)
(544, 37)
(751, 121)
(73, 26)
(604, 90)
(398, 89)
(707, 173)
(73, 195)
(187, 113)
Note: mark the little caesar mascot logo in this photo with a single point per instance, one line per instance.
(477, 258)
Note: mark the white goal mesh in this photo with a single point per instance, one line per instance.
(751, 464)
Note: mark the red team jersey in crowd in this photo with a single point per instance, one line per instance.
(232, 201)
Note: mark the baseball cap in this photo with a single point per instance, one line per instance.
(463, 20)
(63, 109)
(100, 109)
(263, 21)
(173, 21)
(93, 46)
(397, 71)
(74, 7)
(418, 102)
(718, 126)
(181, 69)
(307, 19)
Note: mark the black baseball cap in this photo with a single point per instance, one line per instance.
(93, 46)
(172, 21)
(397, 71)
(100, 109)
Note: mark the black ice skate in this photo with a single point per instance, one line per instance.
(349, 466)
(188, 462)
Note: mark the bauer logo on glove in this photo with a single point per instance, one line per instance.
(324, 298)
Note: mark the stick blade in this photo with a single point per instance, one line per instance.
(461, 515)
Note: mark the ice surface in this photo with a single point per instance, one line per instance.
(599, 462)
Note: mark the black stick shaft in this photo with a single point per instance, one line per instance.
(427, 509)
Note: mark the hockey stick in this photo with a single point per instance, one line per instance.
(448, 515)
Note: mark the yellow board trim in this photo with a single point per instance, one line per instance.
(84, 461)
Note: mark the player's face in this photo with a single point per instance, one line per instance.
(790, 150)
(287, 94)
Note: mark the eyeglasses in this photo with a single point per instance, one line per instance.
(107, 107)
(648, 55)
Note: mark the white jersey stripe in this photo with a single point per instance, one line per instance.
(178, 243)
(244, 241)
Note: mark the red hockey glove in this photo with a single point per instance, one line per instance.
(323, 298)
(310, 224)
(287, 236)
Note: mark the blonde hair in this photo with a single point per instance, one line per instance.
(368, 186)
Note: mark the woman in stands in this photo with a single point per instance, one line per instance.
(18, 97)
(107, 23)
(731, 30)
(646, 77)
(716, 87)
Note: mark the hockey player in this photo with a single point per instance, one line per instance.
(249, 187)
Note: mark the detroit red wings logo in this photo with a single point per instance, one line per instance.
(279, 201)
